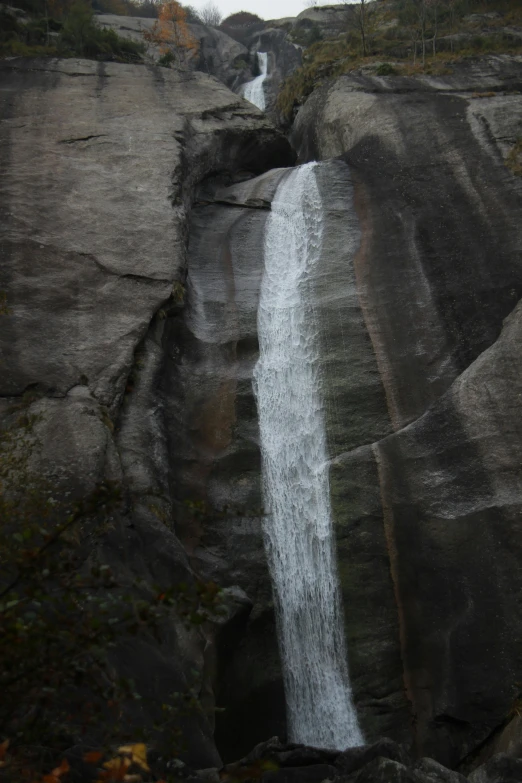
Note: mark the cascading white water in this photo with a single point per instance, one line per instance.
(298, 526)
(253, 91)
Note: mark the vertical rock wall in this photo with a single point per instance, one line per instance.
(437, 272)
(99, 163)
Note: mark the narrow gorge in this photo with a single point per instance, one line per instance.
(298, 358)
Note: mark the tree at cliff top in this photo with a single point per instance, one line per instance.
(357, 19)
(210, 14)
(172, 35)
(386, 38)
(415, 18)
(241, 19)
(241, 25)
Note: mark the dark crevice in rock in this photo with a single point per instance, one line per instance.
(242, 204)
(82, 138)
(451, 720)
(222, 112)
(126, 276)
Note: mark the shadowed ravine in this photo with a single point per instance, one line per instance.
(298, 527)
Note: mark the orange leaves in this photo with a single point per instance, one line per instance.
(171, 32)
(137, 753)
(53, 777)
(56, 774)
(128, 766)
(119, 767)
(115, 769)
(92, 757)
(3, 750)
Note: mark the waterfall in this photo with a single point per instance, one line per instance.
(253, 91)
(298, 526)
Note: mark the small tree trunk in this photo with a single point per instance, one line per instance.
(363, 26)
(47, 23)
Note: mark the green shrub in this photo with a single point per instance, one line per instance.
(19, 49)
(77, 35)
(82, 37)
(294, 91)
(10, 28)
(385, 69)
(305, 33)
(166, 59)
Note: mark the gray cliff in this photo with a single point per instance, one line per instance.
(438, 276)
(133, 205)
(99, 167)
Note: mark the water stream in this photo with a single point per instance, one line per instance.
(298, 526)
(253, 91)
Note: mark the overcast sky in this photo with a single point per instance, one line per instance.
(266, 9)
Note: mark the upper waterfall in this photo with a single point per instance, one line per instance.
(298, 529)
(253, 91)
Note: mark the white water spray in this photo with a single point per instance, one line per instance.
(253, 91)
(298, 528)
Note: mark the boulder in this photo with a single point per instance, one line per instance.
(219, 54)
(353, 759)
(508, 739)
(429, 771)
(499, 769)
(381, 770)
(312, 773)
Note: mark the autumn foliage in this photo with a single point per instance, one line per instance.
(171, 33)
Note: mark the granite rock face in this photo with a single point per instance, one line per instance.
(220, 55)
(217, 55)
(438, 274)
(207, 385)
(99, 167)
(133, 202)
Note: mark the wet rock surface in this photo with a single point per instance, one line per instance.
(438, 277)
(382, 762)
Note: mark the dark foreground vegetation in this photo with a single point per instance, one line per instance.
(64, 614)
